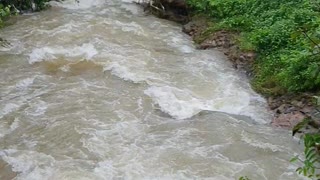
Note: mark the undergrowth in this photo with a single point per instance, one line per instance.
(11, 7)
(284, 33)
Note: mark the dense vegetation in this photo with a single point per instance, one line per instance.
(4, 13)
(311, 157)
(284, 34)
(9, 7)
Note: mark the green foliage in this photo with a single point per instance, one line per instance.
(9, 7)
(285, 34)
(34, 5)
(244, 178)
(311, 158)
(4, 12)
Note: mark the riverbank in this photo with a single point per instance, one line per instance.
(289, 103)
(289, 108)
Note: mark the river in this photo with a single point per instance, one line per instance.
(98, 90)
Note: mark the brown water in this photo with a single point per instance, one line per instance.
(98, 90)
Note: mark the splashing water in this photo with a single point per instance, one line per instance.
(98, 90)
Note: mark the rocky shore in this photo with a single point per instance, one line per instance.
(288, 109)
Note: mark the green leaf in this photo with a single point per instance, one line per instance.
(305, 171)
(311, 152)
(294, 159)
(300, 125)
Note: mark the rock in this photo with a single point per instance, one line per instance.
(297, 103)
(270, 99)
(208, 44)
(251, 55)
(288, 120)
(189, 27)
(282, 109)
(315, 114)
(307, 110)
(242, 57)
(273, 106)
(291, 109)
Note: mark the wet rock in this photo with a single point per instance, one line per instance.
(251, 55)
(242, 58)
(4, 43)
(288, 120)
(290, 109)
(208, 44)
(307, 110)
(189, 27)
(282, 108)
(297, 103)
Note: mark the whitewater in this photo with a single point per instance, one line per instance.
(99, 90)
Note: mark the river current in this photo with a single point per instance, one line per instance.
(98, 90)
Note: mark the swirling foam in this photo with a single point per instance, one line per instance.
(183, 104)
(80, 4)
(86, 51)
(178, 103)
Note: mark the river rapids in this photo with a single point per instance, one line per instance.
(98, 90)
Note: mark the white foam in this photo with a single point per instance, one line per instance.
(130, 68)
(180, 42)
(6, 128)
(25, 83)
(130, 27)
(15, 124)
(182, 104)
(71, 26)
(65, 68)
(130, 1)
(86, 51)
(133, 8)
(79, 4)
(9, 108)
(106, 169)
(28, 163)
(37, 108)
(258, 143)
(124, 72)
(178, 103)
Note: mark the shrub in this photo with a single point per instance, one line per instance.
(4, 12)
(9, 7)
(285, 34)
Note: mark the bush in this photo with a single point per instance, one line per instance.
(311, 156)
(9, 7)
(34, 5)
(4, 12)
(285, 34)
